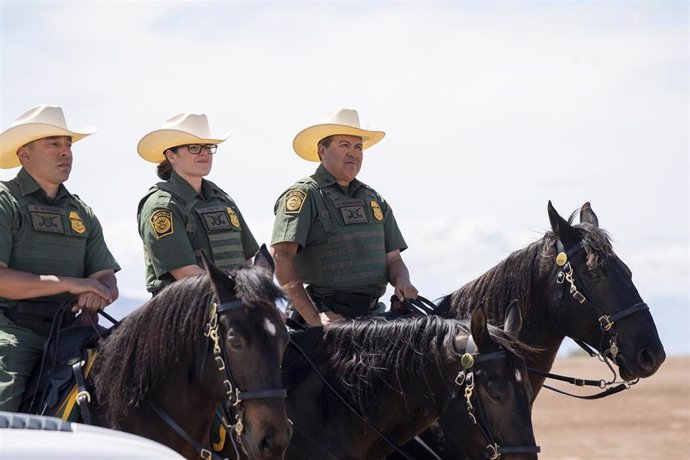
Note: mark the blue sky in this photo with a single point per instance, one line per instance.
(490, 108)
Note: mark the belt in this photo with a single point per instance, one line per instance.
(347, 304)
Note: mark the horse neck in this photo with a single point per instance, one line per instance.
(525, 275)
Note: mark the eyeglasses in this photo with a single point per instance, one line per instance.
(195, 149)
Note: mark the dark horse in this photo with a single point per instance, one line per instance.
(401, 375)
(568, 283)
(202, 343)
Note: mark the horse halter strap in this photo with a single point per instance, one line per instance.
(606, 322)
(234, 394)
(465, 377)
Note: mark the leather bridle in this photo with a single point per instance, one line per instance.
(233, 407)
(465, 378)
(606, 326)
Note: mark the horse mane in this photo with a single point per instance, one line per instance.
(368, 359)
(166, 336)
(513, 277)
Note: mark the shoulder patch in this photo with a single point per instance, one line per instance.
(294, 200)
(162, 224)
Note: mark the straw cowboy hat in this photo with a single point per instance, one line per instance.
(183, 128)
(343, 122)
(36, 123)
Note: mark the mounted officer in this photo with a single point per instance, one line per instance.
(187, 214)
(333, 232)
(53, 258)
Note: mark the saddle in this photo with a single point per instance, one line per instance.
(58, 383)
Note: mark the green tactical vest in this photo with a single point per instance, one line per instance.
(352, 256)
(220, 223)
(48, 239)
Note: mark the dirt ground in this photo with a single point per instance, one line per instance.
(651, 420)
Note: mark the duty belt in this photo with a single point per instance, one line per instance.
(347, 304)
(37, 315)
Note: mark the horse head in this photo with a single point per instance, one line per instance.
(599, 303)
(492, 418)
(248, 347)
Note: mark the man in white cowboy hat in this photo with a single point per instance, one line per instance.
(186, 214)
(52, 251)
(335, 233)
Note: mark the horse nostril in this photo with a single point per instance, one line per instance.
(267, 444)
(650, 359)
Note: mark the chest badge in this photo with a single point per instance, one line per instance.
(233, 218)
(378, 214)
(161, 221)
(76, 222)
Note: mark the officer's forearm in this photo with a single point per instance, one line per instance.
(290, 281)
(17, 285)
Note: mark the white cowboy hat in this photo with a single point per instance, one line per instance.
(183, 128)
(344, 122)
(36, 123)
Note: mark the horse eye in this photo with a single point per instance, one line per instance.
(494, 392)
(234, 342)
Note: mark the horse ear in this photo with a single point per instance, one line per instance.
(561, 228)
(263, 259)
(480, 329)
(223, 285)
(587, 215)
(513, 320)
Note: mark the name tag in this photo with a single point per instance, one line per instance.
(354, 215)
(216, 219)
(47, 219)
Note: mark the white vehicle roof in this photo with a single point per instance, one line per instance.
(25, 436)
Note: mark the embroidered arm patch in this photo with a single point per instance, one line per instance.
(162, 224)
(294, 200)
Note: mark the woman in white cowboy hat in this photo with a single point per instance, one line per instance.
(187, 214)
(335, 233)
(52, 251)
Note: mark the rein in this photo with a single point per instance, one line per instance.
(606, 323)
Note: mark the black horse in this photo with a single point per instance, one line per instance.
(568, 283)
(204, 342)
(400, 376)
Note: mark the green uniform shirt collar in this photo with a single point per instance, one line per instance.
(186, 191)
(28, 186)
(324, 179)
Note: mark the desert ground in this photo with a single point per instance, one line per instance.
(651, 420)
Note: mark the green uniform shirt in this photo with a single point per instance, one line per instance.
(59, 236)
(321, 217)
(176, 223)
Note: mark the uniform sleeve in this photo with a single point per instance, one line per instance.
(98, 256)
(163, 231)
(295, 211)
(393, 235)
(7, 217)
